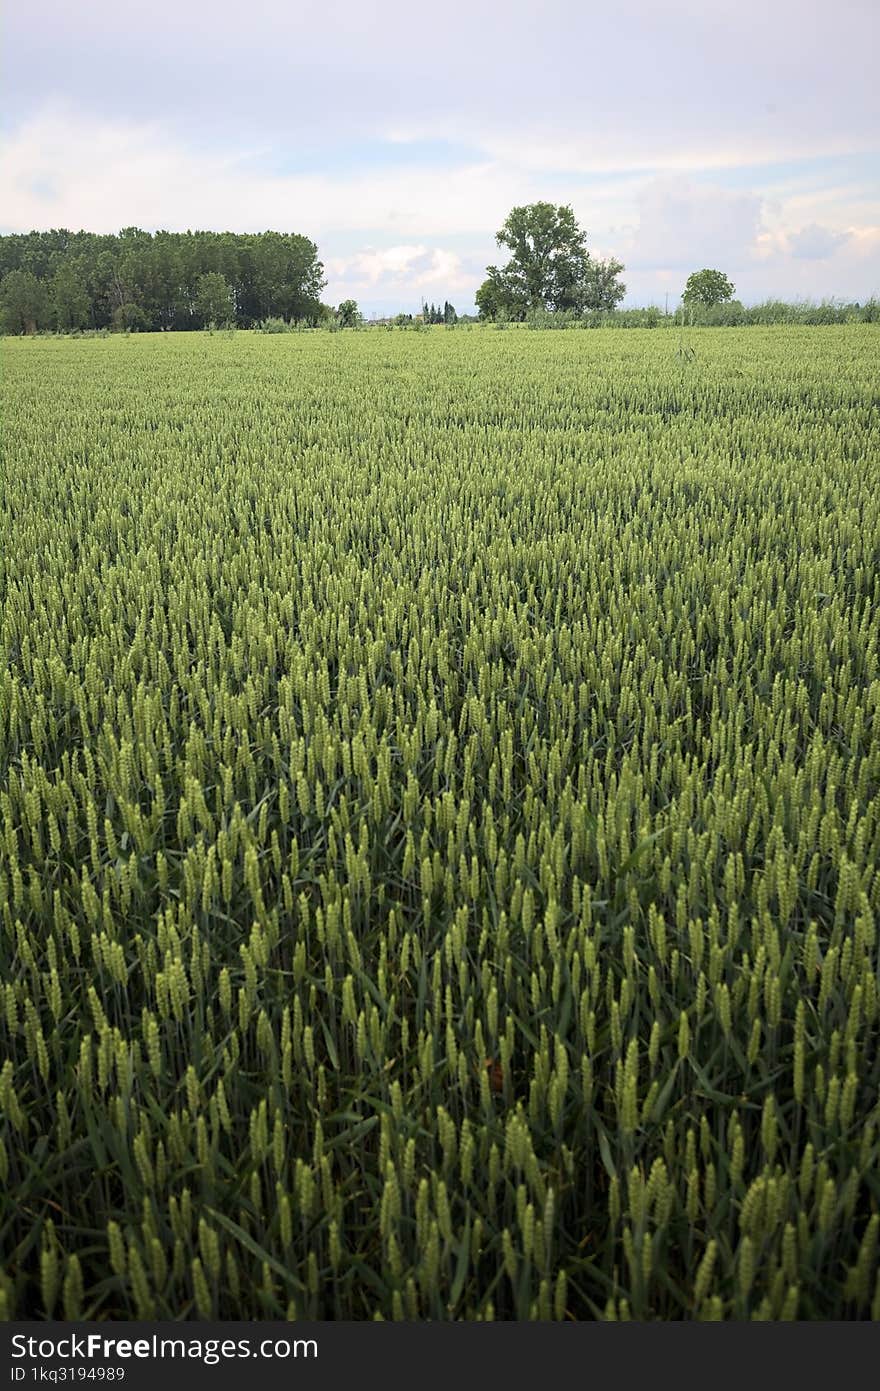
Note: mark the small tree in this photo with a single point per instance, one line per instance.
(707, 287)
(213, 302)
(348, 315)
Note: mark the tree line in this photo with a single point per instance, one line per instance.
(66, 280)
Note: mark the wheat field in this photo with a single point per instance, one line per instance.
(440, 826)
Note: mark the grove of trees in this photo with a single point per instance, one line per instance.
(164, 280)
(433, 314)
(549, 268)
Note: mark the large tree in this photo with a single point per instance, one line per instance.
(549, 266)
(707, 287)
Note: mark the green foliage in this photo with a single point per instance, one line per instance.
(214, 303)
(549, 268)
(173, 279)
(602, 289)
(324, 318)
(729, 315)
(69, 300)
(128, 317)
(440, 826)
(24, 303)
(348, 315)
(708, 287)
(434, 314)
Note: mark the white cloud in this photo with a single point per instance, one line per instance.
(390, 233)
(401, 273)
(865, 244)
(419, 265)
(103, 174)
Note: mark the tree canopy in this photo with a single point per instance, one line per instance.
(163, 280)
(549, 268)
(348, 315)
(707, 287)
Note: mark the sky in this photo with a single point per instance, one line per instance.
(738, 134)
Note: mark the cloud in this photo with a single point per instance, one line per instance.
(683, 224)
(682, 134)
(401, 272)
(815, 243)
(755, 237)
(106, 174)
(865, 243)
(62, 169)
(392, 228)
(565, 86)
(421, 265)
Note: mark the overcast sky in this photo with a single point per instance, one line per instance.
(743, 134)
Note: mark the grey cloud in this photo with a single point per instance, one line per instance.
(687, 225)
(636, 83)
(815, 243)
